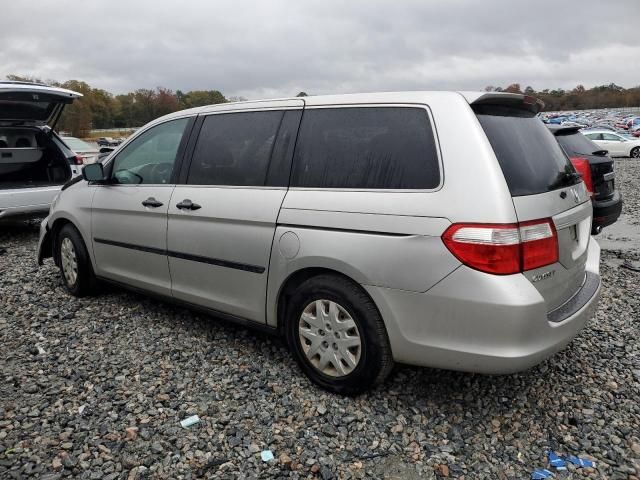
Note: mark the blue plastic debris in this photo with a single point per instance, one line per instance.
(266, 455)
(557, 462)
(582, 462)
(540, 474)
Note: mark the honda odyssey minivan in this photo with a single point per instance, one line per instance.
(363, 228)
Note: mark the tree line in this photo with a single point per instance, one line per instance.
(580, 98)
(99, 109)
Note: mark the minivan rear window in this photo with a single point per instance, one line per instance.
(366, 148)
(530, 157)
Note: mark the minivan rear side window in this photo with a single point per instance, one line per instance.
(234, 149)
(530, 157)
(366, 148)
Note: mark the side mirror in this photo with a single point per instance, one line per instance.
(93, 172)
(106, 150)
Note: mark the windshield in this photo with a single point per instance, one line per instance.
(77, 145)
(529, 155)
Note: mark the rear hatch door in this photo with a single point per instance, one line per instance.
(23, 103)
(543, 184)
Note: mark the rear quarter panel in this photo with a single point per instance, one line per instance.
(392, 238)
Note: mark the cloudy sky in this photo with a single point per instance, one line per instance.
(260, 49)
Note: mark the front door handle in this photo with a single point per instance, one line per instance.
(152, 202)
(187, 204)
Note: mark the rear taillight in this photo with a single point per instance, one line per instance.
(584, 169)
(503, 249)
(78, 160)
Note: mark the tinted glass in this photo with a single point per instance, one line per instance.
(576, 143)
(594, 136)
(150, 158)
(234, 149)
(530, 157)
(280, 164)
(27, 105)
(366, 147)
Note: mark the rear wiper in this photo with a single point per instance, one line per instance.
(565, 179)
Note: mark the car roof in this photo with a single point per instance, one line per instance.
(402, 97)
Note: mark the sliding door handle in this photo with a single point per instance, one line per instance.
(187, 204)
(152, 202)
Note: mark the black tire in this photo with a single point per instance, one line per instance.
(376, 361)
(85, 281)
(635, 153)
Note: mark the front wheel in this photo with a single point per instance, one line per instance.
(74, 262)
(337, 335)
(635, 153)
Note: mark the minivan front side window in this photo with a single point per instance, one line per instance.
(150, 158)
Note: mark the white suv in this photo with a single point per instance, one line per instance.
(34, 161)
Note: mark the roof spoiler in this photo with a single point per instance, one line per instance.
(563, 129)
(512, 100)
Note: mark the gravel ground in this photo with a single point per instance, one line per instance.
(95, 388)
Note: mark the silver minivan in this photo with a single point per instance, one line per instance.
(442, 229)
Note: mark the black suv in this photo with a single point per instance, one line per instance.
(599, 176)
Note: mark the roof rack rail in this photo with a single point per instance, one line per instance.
(20, 82)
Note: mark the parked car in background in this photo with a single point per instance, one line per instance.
(633, 122)
(34, 161)
(616, 144)
(108, 142)
(596, 169)
(88, 153)
(329, 220)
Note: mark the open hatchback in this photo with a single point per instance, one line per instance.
(34, 161)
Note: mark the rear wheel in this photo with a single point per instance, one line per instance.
(75, 264)
(337, 335)
(635, 153)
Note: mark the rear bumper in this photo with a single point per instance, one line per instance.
(606, 212)
(24, 211)
(27, 201)
(482, 323)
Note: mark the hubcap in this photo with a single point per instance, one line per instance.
(69, 261)
(636, 153)
(330, 338)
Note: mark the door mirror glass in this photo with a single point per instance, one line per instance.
(106, 150)
(93, 172)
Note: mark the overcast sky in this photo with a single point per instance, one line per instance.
(261, 49)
